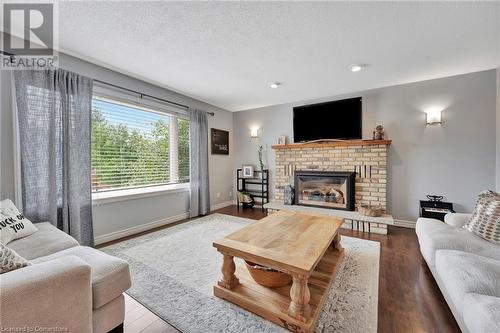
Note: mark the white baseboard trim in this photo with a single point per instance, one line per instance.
(134, 230)
(404, 224)
(221, 205)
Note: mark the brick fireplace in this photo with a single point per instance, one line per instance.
(367, 158)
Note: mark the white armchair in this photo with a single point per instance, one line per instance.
(52, 294)
(76, 288)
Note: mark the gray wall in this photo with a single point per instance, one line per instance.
(116, 216)
(455, 159)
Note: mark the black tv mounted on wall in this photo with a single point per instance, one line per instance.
(331, 120)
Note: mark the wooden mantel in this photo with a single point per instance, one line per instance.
(331, 143)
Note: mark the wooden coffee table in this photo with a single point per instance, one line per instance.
(306, 246)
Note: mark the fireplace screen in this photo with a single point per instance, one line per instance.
(325, 189)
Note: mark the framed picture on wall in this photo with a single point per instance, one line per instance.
(220, 142)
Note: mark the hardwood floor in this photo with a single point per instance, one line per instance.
(409, 299)
(138, 319)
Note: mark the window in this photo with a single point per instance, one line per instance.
(136, 146)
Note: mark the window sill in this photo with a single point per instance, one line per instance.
(136, 193)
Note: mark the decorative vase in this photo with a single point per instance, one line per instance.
(260, 153)
(289, 195)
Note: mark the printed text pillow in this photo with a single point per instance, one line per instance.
(13, 225)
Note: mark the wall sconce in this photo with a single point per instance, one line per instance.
(433, 116)
(254, 132)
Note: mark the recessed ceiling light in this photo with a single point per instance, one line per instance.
(275, 85)
(356, 68)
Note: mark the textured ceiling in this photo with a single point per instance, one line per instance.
(227, 53)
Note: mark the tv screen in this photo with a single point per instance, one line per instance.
(330, 120)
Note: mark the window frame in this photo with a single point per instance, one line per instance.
(99, 198)
(116, 96)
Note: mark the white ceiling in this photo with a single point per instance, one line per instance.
(228, 53)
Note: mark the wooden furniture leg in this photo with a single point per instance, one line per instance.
(336, 241)
(299, 293)
(229, 280)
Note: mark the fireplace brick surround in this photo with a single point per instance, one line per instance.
(366, 157)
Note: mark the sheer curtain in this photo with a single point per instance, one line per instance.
(54, 119)
(198, 151)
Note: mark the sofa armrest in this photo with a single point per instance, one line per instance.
(456, 219)
(51, 295)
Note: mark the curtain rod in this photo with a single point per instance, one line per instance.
(142, 95)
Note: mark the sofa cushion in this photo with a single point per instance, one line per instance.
(435, 235)
(463, 273)
(110, 275)
(482, 314)
(47, 240)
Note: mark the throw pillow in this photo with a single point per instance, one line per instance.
(13, 225)
(10, 260)
(485, 220)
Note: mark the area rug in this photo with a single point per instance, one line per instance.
(174, 270)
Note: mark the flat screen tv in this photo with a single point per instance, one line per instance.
(331, 120)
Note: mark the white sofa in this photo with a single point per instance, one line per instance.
(466, 269)
(75, 288)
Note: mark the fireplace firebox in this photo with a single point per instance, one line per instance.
(326, 189)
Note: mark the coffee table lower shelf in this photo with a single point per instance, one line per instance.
(272, 303)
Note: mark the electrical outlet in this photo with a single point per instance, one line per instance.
(230, 194)
(218, 195)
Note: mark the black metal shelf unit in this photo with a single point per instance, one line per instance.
(258, 189)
